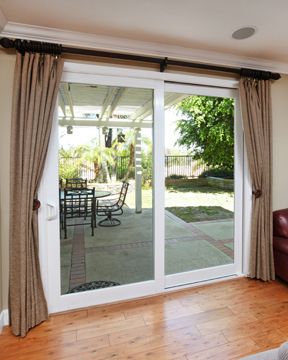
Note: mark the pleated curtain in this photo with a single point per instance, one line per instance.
(255, 100)
(36, 83)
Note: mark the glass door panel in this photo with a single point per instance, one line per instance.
(199, 185)
(105, 186)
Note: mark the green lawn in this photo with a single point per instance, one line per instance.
(197, 203)
(200, 213)
(199, 196)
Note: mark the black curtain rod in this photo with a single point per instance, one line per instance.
(34, 46)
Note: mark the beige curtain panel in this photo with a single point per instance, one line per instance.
(36, 82)
(256, 112)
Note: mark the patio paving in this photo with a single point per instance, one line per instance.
(221, 231)
(124, 254)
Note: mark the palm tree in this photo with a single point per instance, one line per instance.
(102, 158)
(127, 148)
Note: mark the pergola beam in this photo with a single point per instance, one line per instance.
(173, 98)
(107, 123)
(115, 101)
(61, 103)
(147, 108)
(112, 91)
(69, 99)
(143, 111)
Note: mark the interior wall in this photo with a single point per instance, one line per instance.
(7, 63)
(1, 269)
(280, 143)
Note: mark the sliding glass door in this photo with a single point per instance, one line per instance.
(98, 192)
(132, 204)
(105, 146)
(202, 183)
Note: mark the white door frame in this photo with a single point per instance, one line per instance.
(49, 247)
(48, 195)
(236, 267)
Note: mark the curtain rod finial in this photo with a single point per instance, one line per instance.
(31, 46)
(276, 76)
(259, 74)
(7, 43)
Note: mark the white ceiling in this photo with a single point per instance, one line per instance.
(193, 24)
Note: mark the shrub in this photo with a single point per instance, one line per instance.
(147, 169)
(218, 172)
(68, 171)
(175, 177)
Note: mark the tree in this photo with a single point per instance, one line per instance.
(208, 129)
(101, 157)
(127, 148)
(69, 162)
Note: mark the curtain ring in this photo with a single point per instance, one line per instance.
(36, 204)
(257, 193)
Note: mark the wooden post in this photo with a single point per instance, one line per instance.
(138, 171)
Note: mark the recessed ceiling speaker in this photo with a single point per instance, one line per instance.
(243, 33)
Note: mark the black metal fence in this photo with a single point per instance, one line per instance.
(178, 166)
(183, 165)
(76, 167)
(122, 164)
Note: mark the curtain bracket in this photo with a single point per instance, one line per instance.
(164, 64)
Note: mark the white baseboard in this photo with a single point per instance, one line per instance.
(4, 319)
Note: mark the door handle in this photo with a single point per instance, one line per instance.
(51, 211)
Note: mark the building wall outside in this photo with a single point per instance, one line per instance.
(7, 62)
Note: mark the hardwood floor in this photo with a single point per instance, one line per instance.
(226, 320)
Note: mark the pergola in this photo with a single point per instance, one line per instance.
(109, 107)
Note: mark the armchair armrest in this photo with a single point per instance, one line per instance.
(280, 223)
(108, 201)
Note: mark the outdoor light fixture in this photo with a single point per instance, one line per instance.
(121, 137)
(105, 130)
(69, 129)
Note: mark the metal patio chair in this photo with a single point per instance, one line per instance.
(112, 207)
(79, 204)
(76, 183)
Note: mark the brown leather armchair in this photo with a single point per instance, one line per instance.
(280, 243)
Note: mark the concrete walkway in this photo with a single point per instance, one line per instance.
(124, 254)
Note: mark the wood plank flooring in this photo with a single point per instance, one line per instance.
(226, 320)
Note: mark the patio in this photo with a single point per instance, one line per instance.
(124, 254)
(106, 136)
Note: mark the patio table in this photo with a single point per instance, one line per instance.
(98, 194)
(78, 192)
